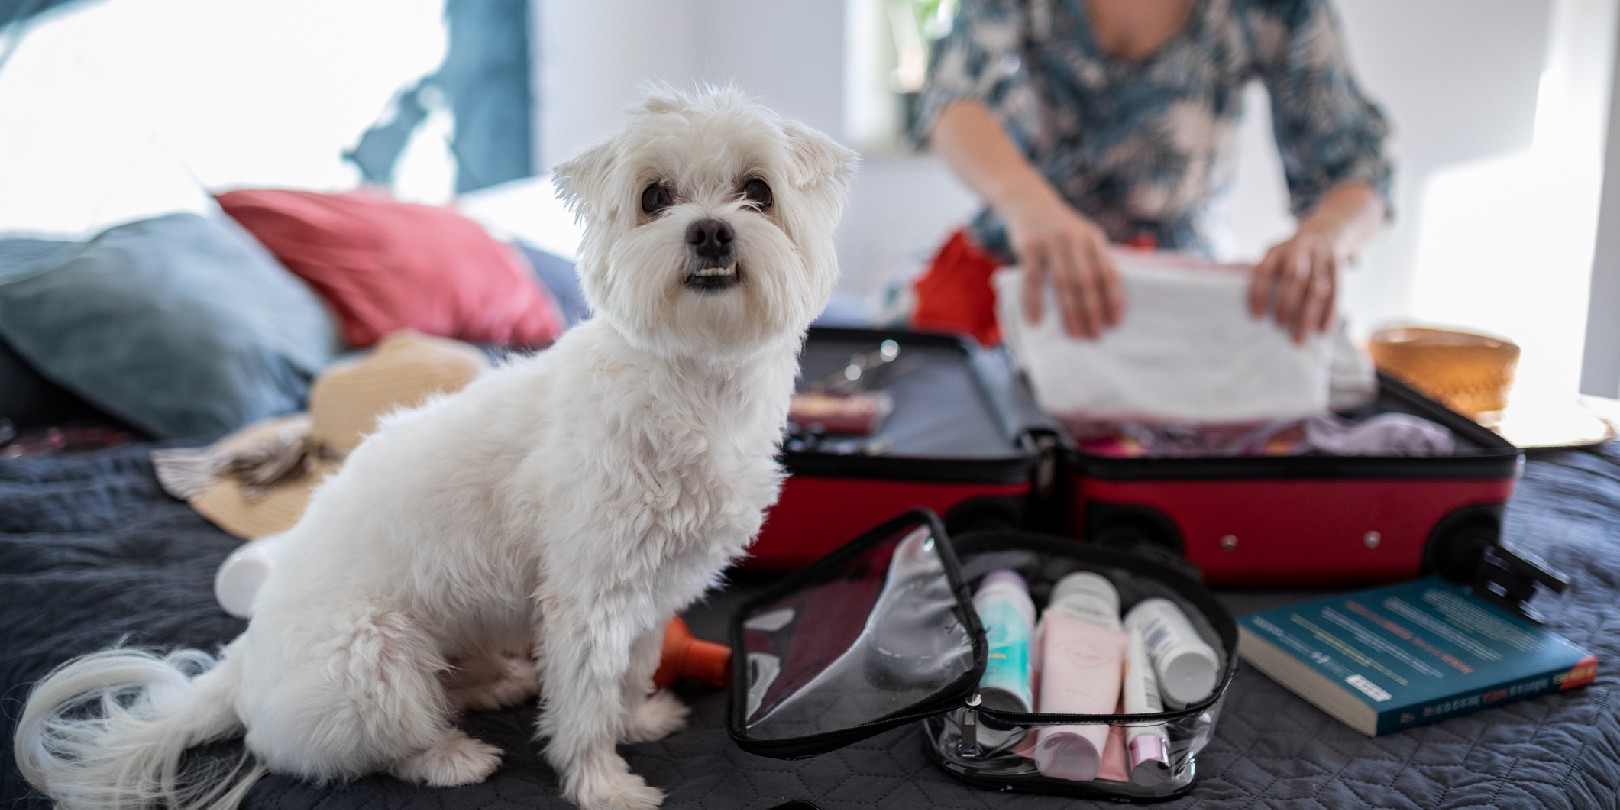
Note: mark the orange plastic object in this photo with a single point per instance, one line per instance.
(690, 658)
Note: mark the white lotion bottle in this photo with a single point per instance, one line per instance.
(1082, 657)
(1186, 666)
(242, 574)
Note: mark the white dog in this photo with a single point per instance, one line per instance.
(574, 500)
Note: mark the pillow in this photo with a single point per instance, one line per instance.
(560, 278)
(179, 325)
(385, 265)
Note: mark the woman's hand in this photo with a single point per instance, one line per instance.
(1054, 242)
(1050, 239)
(1297, 281)
(1297, 284)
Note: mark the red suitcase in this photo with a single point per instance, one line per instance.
(1313, 520)
(964, 440)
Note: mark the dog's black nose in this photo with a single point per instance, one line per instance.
(710, 238)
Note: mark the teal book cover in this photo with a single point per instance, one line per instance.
(1387, 658)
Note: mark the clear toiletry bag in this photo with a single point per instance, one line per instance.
(884, 632)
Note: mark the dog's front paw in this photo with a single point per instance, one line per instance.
(657, 717)
(614, 790)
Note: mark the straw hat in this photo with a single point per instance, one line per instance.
(257, 481)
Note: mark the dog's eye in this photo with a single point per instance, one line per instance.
(656, 197)
(758, 192)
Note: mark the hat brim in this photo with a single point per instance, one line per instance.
(228, 505)
(265, 510)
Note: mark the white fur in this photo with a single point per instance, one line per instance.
(574, 500)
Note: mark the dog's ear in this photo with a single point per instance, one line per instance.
(817, 159)
(581, 181)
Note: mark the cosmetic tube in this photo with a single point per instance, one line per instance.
(1082, 654)
(1146, 745)
(1008, 617)
(1186, 666)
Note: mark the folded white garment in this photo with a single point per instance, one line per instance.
(1186, 350)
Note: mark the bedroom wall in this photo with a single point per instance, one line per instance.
(1498, 111)
(1600, 368)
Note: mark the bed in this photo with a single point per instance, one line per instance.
(93, 552)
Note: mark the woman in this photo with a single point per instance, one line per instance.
(1082, 123)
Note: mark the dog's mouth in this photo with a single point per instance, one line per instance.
(713, 279)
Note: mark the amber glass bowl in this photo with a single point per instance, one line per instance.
(1469, 372)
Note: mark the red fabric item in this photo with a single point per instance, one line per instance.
(385, 265)
(954, 293)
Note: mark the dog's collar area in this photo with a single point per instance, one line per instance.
(712, 279)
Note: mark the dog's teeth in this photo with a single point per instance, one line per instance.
(716, 271)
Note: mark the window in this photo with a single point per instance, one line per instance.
(889, 44)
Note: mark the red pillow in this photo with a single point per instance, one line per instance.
(385, 265)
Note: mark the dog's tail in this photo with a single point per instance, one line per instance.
(109, 730)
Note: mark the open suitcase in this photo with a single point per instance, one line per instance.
(1308, 520)
(883, 632)
(964, 440)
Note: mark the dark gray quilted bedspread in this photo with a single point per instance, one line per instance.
(91, 551)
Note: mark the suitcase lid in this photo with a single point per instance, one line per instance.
(960, 413)
(878, 634)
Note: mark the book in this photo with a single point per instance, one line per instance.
(1388, 658)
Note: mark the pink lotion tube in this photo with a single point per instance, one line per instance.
(1148, 745)
(1082, 657)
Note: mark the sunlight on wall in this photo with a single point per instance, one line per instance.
(1506, 244)
(116, 109)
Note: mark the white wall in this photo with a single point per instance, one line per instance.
(1600, 372)
(593, 56)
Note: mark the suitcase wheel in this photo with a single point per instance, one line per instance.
(1457, 545)
(1129, 527)
(983, 514)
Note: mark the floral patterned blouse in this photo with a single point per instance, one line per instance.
(1141, 147)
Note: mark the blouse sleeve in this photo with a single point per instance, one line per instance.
(978, 60)
(1327, 130)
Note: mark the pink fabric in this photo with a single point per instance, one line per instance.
(384, 265)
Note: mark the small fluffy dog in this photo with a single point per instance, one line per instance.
(574, 500)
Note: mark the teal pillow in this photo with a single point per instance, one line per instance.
(180, 325)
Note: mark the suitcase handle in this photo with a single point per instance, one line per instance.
(1510, 579)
